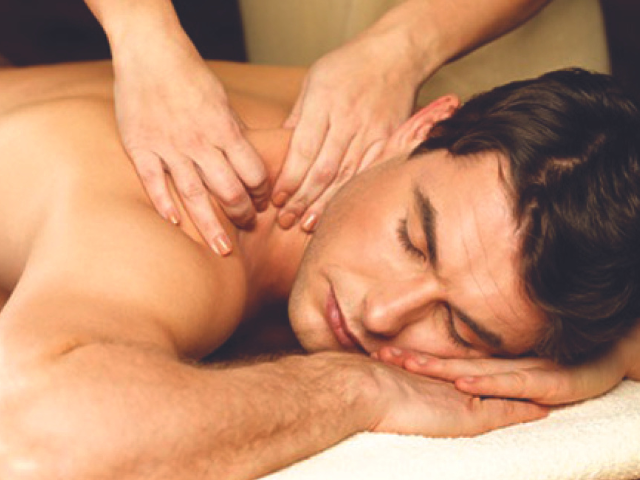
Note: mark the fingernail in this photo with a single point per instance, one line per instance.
(396, 352)
(173, 218)
(309, 222)
(287, 219)
(280, 199)
(468, 379)
(222, 245)
(420, 360)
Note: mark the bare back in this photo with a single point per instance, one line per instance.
(79, 236)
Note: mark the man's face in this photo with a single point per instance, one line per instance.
(420, 254)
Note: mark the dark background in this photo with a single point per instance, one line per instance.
(49, 31)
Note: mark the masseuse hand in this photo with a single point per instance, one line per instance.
(351, 102)
(527, 378)
(174, 116)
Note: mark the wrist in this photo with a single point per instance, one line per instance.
(346, 382)
(132, 26)
(411, 37)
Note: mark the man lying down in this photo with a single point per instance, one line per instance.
(507, 227)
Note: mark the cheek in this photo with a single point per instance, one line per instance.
(429, 336)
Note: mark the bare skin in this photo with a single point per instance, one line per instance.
(109, 306)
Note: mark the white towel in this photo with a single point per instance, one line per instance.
(596, 439)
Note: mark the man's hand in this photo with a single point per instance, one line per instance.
(352, 100)
(392, 400)
(541, 381)
(174, 116)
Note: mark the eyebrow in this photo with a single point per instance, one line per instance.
(428, 215)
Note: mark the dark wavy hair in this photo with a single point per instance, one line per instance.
(572, 140)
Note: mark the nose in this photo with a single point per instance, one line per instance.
(390, 306)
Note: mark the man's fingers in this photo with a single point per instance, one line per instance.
(151, 173)
(195, 197)
(392, 356)
(536, 385)
(452, 368)
(491, 413)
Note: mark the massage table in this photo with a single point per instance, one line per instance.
(598, 439)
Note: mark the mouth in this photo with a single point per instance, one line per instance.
(338, 325)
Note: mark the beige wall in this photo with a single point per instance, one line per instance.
(296, 32)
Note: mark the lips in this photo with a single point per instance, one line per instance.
(338, 325)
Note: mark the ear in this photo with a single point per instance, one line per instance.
(416, 129)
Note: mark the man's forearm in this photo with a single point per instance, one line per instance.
(107, 411)
(434, 32)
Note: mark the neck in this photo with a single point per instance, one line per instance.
(270, 254)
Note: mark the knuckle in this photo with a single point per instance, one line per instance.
(192, 190)
(298, 205)
(232, 197)
(193, 143)
(178, 162)
(148, 174)
(521, 380)
(346, 173)
(259, 185)
(324, 175)
(306, 152)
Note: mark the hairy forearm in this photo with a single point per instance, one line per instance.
(434, 32)
(108, 411)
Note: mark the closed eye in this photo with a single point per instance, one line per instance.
(405, 241)
(453, 333)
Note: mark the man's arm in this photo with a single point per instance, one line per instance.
(106, 408)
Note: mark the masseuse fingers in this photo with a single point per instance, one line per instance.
(306, 142)
(195, 197)
(222, 181)
(151, 173)
(336, 164)
(320, 175)
(248, 166)
(353, 163)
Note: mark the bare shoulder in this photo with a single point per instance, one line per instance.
(85, 253)
(262, 95)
